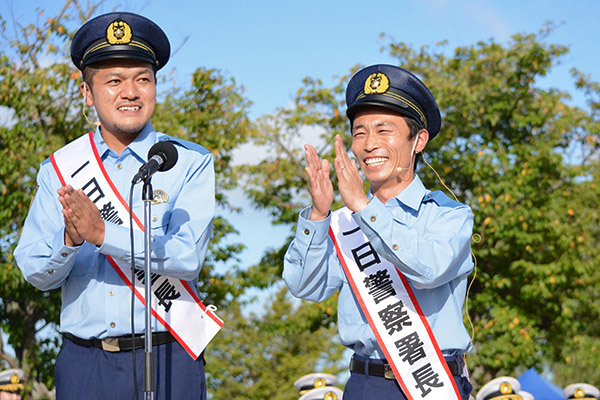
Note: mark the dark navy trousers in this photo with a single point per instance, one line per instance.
(94, 374)
(367, 387)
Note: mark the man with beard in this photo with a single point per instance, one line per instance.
(76, 236)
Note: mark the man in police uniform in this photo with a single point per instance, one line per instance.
(424, 234)
(68, 243)
(11, 384)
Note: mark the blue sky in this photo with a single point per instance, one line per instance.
(269, 46)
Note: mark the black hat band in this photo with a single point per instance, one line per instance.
(396, 96)
(502, 396)
(101, 47)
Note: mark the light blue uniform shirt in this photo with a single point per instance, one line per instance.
(425, 234)
(95, 300)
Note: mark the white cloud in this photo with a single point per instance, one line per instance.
(7, 117)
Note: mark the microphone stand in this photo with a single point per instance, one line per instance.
(147, 197)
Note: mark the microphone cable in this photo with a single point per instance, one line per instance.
(476, 238)
(133, 351)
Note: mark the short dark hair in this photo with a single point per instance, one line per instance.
(88, 74)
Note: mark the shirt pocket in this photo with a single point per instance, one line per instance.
(160, 215)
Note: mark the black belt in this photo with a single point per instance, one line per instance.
(121, 343)
(385, 371)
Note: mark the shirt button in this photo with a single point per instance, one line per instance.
(112, 324)
(111, 292)
(63, 254)
(154, 218)
(50, 271)
(120, 166)
(395, 247)
(373, 218)
(306, 231)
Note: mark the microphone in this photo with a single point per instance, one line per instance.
(412, 152)
(161, 157)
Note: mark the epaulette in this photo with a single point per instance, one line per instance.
(442, 200)
(184, 143)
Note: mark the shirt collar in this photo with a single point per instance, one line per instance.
(413, 194)
(139, 147)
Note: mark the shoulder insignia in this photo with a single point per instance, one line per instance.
(184, 143)
(442, 200)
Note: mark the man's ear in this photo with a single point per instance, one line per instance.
(86, 92)
(422, 140)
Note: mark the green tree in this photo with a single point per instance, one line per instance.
(45, 106)
(213, 112)
(520, 155)
(260, 355)
(42, 101)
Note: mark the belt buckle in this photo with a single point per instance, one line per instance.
(387, 372)
(111, 344)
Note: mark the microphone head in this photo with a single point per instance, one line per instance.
(167, 152)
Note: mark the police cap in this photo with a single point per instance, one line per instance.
(121, 35)
(502, 388)
(582, 391)
(396, 89)
(525, 395)
(11, 380)
(323, 393)
(315, 380)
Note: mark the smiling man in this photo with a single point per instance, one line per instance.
(399, 256)
(76, 236)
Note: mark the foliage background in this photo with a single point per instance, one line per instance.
(521, 154)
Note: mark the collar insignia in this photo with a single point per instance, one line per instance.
(377, 83)
(118, 33)
(159, 197)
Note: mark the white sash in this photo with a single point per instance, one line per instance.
(394, 315)
(174, 304)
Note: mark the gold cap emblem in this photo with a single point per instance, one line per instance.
(330, 396)
(505, 388)
(14, 378)
(377, 83)
(118, 33)
(579, 393)
(319, 382)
